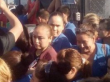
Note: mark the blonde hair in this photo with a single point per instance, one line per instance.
(5, 73)
(92, 18)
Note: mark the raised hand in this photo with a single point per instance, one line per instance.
(3, 5)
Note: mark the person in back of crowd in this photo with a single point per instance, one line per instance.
(60, 41)
(8, 40)
(93, 19)
(47, 72)
(104, 31)
(69, 30)
(19, 64)
(72, 65)
(94, 52)
(5, 72)
(42, 16)
(33, 5)
(21, 13)
(42, 49)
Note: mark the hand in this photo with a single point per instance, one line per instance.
(3, 5)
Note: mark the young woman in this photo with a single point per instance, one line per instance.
(60, 41)
(94, 52)
(42, 49)
(72, 65)
(104, 31)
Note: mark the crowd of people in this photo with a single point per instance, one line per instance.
(56, 50)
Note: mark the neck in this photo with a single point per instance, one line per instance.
(66, 21)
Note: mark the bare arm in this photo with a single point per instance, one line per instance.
(34, 9)
(15, 23)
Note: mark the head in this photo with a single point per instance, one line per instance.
(57, 22)
(42, 16)
(5, 73)
(47, 72)
(104, 28)
(69, 63)
(42, 36)
(85, 36)
(66, 13)
(20, 10)
(93, 19)
(17, 62)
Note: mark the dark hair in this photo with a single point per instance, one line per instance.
(19, 9)
(86, 29)
(57, 14)
(18, 63)
(52, 76)
(65, 10)
(23, 42)
(106, 22)
(43, 14)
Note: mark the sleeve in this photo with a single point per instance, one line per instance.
(7, 41)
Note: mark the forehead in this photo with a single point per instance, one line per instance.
(41, 31)
(82, 37)
(56, 20)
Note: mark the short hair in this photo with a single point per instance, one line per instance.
(106, 22)
(46, 26)
(57, 14)
(5, 73)
(66, 10)
(43, 14)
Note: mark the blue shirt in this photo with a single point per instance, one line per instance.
(69, 32)
(61, 42)
(99, 67)
(25, 78)
(23, 19)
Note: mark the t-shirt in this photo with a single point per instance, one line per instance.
(23, 19)
(69, 32)
(48, 54)
(7, 41)
(61, 42)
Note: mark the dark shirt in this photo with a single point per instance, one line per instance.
(7, 41)
(48, 54)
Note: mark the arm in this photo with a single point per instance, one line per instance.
(34, 9)
(15, 23)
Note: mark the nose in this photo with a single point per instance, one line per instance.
(82, 45)
(37, 40)
(54, 28)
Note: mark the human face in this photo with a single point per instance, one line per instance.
(102, 31)
(41, 38)
(34, 78)
(85, 43)
(57, 25)
(108, 68)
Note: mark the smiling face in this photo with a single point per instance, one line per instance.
(85, 42)
(41, 38)
(57, 25)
